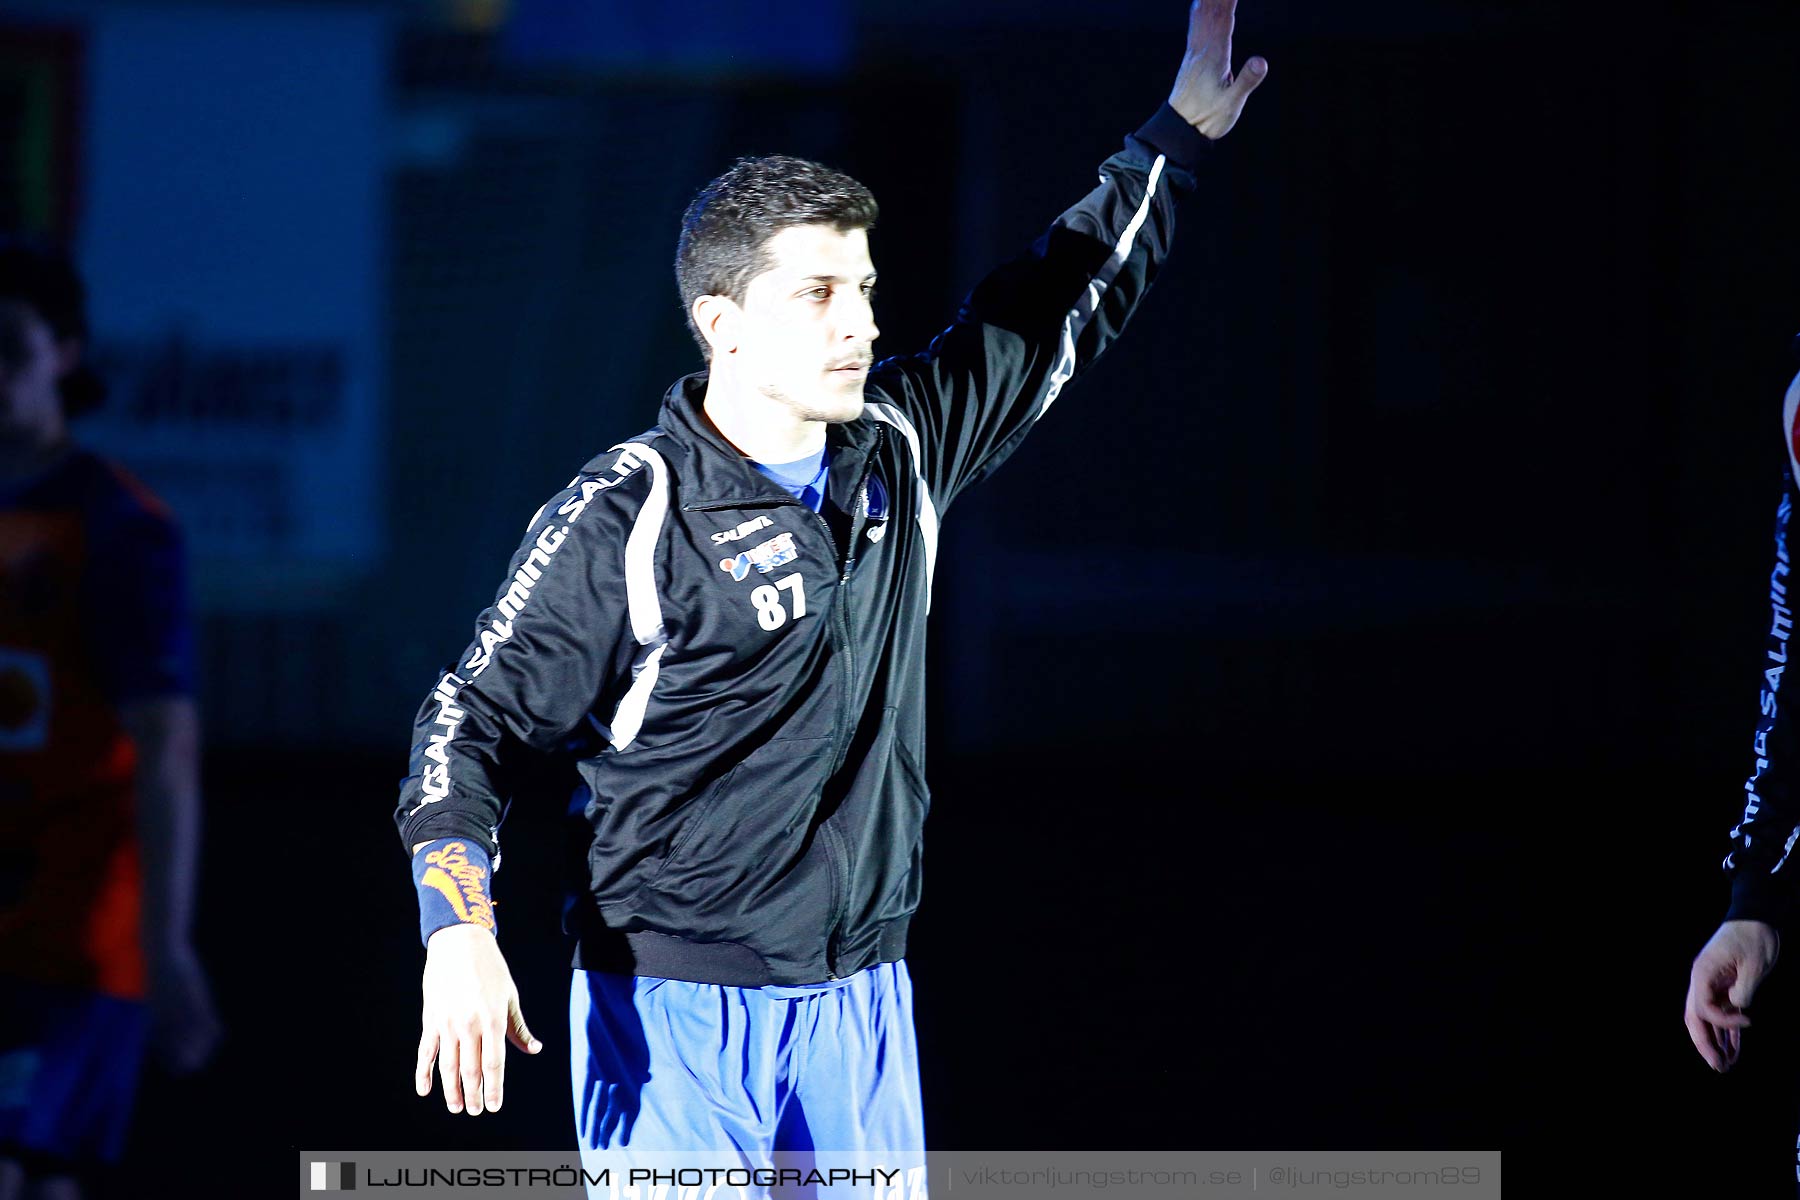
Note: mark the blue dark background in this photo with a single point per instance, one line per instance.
(1341, 701)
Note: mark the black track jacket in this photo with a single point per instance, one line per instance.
(749, 683)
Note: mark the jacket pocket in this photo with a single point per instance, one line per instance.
(906, 898)
(752, 828)
(881, 822)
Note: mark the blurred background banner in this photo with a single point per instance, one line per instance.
(233, 233)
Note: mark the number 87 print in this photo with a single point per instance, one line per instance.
(770, 613)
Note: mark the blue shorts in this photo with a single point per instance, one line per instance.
(69, 1061)
(824, 1075)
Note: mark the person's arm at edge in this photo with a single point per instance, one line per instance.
(1725, 974)
(165, 732)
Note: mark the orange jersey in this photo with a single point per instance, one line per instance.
(93, 614)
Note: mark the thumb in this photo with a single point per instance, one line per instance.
(1245, 82)
(516, 1032)
(1744, 987)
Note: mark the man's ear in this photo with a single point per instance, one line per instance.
(719, 320)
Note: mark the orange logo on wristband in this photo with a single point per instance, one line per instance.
(462, 883)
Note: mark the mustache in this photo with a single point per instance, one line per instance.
(859, 360)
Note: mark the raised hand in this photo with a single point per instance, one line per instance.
(1205, 93)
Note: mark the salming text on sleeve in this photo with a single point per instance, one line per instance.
(576, 624)
(1761, 875)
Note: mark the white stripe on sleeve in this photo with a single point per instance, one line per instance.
(640, 597)
(928, 519)
(1089, 304)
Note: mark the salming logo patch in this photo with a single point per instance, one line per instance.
(745, 530)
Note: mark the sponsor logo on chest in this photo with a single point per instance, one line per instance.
(765, 557)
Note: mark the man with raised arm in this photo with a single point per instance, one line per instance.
(723, 619)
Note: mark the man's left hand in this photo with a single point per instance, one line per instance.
(1206, 94)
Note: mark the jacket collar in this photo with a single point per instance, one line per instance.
(719, 476)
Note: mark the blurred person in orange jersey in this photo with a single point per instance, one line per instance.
(99, 761)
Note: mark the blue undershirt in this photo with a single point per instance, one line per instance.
(803, 479)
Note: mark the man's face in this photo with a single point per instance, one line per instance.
(31, 362)
(807, 333)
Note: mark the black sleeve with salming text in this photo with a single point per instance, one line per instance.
(557, 636)
(1762, 883)
(1031, 326)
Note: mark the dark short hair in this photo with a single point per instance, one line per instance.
(726, 229)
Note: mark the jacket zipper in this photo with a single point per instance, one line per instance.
(837, 859)
(834, 934)
(849, 653)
